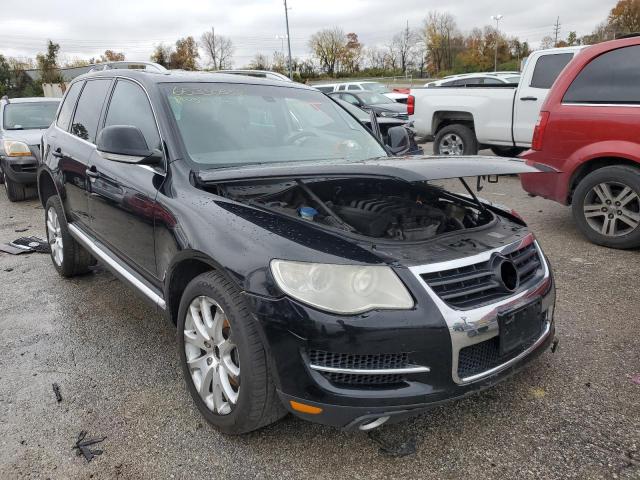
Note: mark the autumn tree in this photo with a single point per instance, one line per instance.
(162, 55)
(401, 47)
(351, 53)
(625, 17)
(259, 62)
(547, 42)
(185, 55)
(328, 46)
(111, 56)
(5, 76)
(218, 49)
(440, 33)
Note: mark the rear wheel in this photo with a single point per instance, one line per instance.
(223, 359)
(68, 256)
(16, 192)
(606, 206)
(507, 151)
(455, 139)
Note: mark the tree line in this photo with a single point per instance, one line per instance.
(436, 48)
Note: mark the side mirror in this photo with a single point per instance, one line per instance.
(398, 140)
(126, 143)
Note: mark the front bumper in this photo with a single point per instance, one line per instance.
(432, 335)
(20, 169)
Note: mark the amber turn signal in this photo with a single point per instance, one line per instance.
(303, 408)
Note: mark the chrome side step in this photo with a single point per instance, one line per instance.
(102, 253)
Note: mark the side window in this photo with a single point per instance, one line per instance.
(350, 99)
(492, 81)
(342, 87)
(547, 69)
(450, 83)
(85, 120)
(68, 105)
(354, 87)
(130, 106)
(613, 77)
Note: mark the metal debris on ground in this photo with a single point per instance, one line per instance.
(83, 445)
(56, 391)
(394, 447)
(33, 244)
(554, 345)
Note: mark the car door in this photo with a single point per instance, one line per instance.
(123, 195)
(532, 92)
(73, 143)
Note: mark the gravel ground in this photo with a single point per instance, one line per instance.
(574, 413)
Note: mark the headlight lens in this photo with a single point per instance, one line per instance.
(13, 148)
(387, 114)
(345, 289)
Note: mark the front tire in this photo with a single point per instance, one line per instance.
(606, 206)
(68, 256)
(223, 359)
(456, 139)
(16, 192)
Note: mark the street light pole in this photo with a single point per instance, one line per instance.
(286, 16)
(497, 18)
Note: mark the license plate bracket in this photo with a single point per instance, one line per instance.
(520, 326)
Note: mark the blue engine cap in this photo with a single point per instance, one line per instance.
(307, 212)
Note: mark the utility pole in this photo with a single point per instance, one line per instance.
(556, 31)
(286, 16)
(497, 19)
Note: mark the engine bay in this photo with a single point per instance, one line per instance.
(373, 207)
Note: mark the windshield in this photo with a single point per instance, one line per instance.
(374, 98)
(224, 125)
(29, 116)
(375, 87)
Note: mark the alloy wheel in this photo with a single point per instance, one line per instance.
(54, 234)
(212, 357)
(451, 144)
(612, 209)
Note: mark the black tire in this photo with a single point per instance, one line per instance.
(16, 192)
(617, 177)
(258, 404)
(507, 151)
(1, 174)
(75, 259)
(461, 133)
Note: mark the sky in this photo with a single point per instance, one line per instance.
(85, 28)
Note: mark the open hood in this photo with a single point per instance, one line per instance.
(408, 169)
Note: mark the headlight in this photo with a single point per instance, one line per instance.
(345, 289)
(387, 114)
(13, 148)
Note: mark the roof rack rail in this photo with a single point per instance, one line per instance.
(128, 65)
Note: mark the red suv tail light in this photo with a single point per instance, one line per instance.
(538, 132)
(411, 104)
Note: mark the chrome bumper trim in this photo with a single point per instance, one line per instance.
(101, 253)
(468, 327)
(378, 371)
(499, 368)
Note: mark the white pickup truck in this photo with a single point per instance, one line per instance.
(462, 120)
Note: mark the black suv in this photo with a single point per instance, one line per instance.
(306, 269)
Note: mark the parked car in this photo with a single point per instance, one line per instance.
(305, 270)
(382, 106)
(479, 78)
(367, 86)
(588, 135)
(385, 124)
(22, 121)
(502, 117)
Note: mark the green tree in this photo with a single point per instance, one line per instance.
(5, 76)
(48, 64)
(162, 55)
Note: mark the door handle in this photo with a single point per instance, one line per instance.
(58, 153)
(528, 99)
(92, 172)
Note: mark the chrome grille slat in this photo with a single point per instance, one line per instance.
(473, 285)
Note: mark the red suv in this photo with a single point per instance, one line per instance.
(588, 132)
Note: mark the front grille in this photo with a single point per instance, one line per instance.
(475, 285)
(24, 168)
(484, 356)
(380, 361)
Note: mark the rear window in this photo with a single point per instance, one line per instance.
(325, 89)
(547, 69)
(613, 77)
(69, 103)
(29, 116)
(85, 120)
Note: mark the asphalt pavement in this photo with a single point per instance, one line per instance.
(574, 413)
